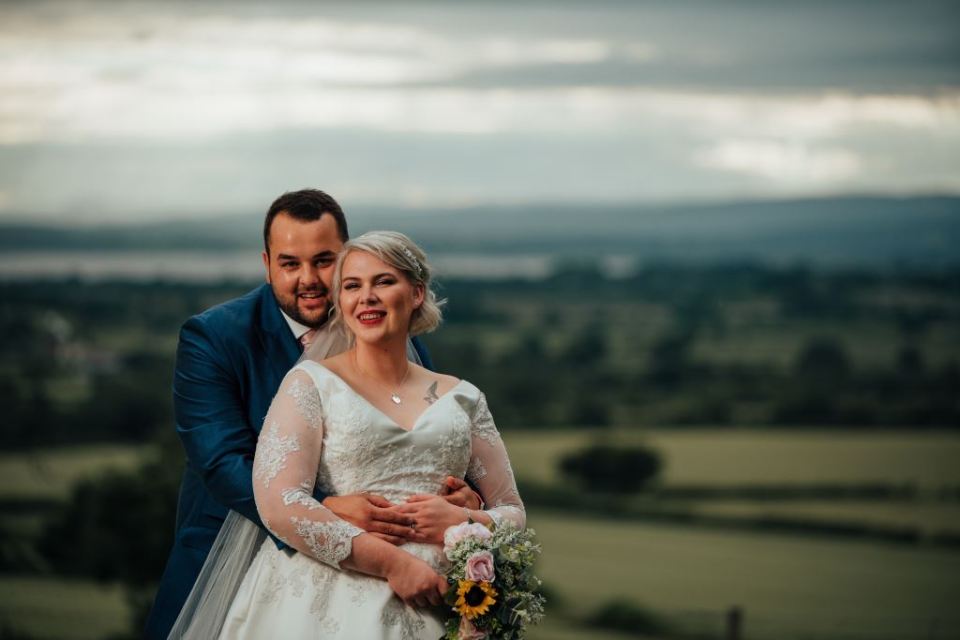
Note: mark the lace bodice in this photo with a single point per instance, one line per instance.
(319, 430)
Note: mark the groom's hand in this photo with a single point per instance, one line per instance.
(458, 493)
(373, 514)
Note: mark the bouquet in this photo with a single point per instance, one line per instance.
(492, 586)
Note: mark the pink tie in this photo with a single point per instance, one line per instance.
(307, 338)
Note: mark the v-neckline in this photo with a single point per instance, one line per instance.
(393, 423)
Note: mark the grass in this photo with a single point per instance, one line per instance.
(717, 458)
(746, 456)
(693, 456)
(789, 587)
(555, 628)
(79, 610)
(68, 609)
(928, 518)
(49, 474)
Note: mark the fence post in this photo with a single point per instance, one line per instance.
(734, 623)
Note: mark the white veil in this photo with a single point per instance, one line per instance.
(209, 601)
(206, 608)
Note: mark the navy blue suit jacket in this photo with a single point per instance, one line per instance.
(230, 362)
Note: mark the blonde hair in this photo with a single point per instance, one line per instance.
(401, 253)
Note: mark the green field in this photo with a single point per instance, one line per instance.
(711, 457)
(718, 457)
(929, 518)
(789, 587)
(753, 456)
(61, 608)
(49, 474)
(692, 456)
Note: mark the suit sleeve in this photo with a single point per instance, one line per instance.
(421, 349)
(211, 420)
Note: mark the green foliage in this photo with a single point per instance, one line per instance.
(737, 344)
(17, 555)
(519, 603)
(590, 412)
(669, 359)
(30, 415)
(587, 348)
(131, 404)
(823, 362)
(609, 469)
(118, 526)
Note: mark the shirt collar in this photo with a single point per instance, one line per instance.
(297, 328)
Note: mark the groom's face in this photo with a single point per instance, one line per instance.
(300, 265)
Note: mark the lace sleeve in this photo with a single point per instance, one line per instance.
(490, 469)
(285, 470)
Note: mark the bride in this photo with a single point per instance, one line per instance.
(367, 420)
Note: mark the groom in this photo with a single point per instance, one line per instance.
(230, 362)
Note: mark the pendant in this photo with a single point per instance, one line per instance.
(395, 398)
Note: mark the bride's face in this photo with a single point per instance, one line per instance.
(376, 299)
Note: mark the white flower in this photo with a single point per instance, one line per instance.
(458, 533)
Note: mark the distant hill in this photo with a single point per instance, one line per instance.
(920, 231)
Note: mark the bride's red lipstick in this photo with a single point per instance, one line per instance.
(370, 318)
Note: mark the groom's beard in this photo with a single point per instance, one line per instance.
(312, 314)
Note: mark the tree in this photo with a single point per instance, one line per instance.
(670, 359)
(587, 348)
(608, 469)
(119, 526)
(824, 362)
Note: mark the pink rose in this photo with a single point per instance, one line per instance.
(469, 632)
(458, 533)
(480, 567)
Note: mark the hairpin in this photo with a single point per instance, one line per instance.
(414, 260)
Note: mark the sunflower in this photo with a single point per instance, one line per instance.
(474, 598)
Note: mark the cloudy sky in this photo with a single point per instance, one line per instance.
(121, 110)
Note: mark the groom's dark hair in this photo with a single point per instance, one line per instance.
(306, 205)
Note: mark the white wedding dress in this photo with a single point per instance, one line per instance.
(319, 430)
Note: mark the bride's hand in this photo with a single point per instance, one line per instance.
(415, 582)
(431, 516)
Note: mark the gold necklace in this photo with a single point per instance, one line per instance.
(394, 395)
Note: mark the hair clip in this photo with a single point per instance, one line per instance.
(414, 260)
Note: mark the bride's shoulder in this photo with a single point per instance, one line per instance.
(334, 364)
(440, 384)
(315, 370)
(435, 382)
(444, 382)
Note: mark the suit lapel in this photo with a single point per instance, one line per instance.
(281, 348)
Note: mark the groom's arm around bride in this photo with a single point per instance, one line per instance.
(230, 362)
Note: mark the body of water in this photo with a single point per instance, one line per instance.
(207, 266)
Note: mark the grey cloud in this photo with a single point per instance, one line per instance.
(860, 46)
(738, 47)
(242, 173)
